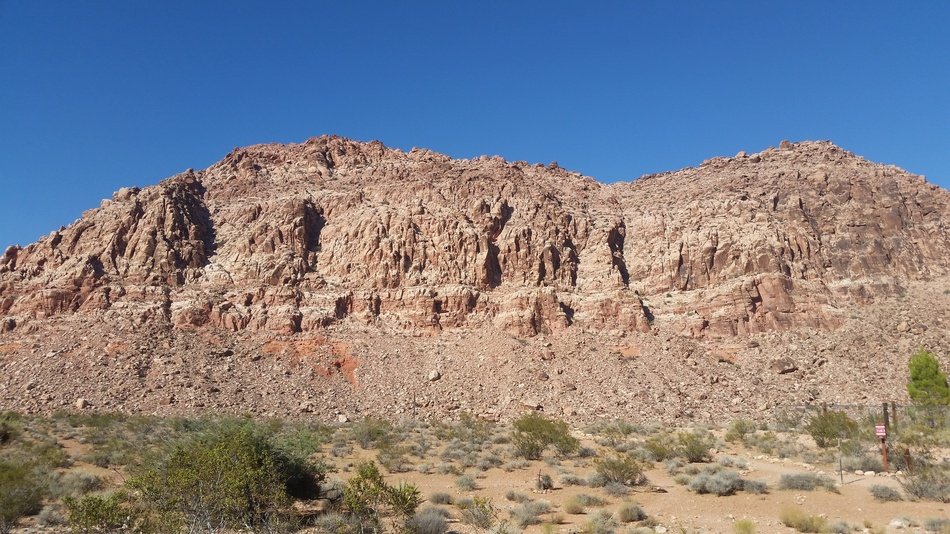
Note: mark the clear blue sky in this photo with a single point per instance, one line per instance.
(98, 95)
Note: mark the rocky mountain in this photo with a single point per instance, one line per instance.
(337, 278)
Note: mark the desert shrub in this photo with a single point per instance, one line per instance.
(616, 489)
(444, 468)
(469, 429)
(937, 524)
(371, 432)
(754, 486)
(335, 523)
(682, 479)
(488, 461)
(440, 497)
(673, 466)
(885, 493)
(94, 513)
(515, 496)
(570, 479)
(574, 506)
(586, 452)
(465, 483)
(732, 461)
(596, 480)
(228, 476)
(365, 494)
(659, 448)
(515, 465)
(929, 483)
(739, 429)
(301, 440)
(629, 513)
(21, 493)
(862, 462)
(839, 527)
(392, 456)
(528, 513)
(805, 482)
(587, 499)
(802, 522)
(51, 516)
(721, 483)
(543, 482)
(534, 433)
(603, 522)
(826, 427)
(428, 521)
(622, 469)
(744, 526)
(693, 446)
(614, 432)
(78, 483)
(480, 512)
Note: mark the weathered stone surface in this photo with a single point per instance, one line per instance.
(316, 259)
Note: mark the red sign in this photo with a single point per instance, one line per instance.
(880, 431)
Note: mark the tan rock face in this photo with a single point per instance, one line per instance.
(298, 239)
(287, 238)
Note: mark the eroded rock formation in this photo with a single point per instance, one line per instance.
(297, 239)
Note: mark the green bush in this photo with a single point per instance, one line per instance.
(827, 427)
(693, 446)
(739, 429)
(21, 494)
(534, 433)
(94, 513)
(928, 384)
(660, 448)
(621, 469)
(231, 476)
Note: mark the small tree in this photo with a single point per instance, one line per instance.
(621, 469)
(230, 477)
(928, 384)
(534, 433)
(826, 427)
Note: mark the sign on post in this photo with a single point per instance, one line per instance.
(881, 432)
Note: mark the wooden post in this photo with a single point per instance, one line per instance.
(887, 421)
(884, 453)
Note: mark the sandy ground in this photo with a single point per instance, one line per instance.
(681, 510)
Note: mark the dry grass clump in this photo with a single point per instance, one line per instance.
(802, 522)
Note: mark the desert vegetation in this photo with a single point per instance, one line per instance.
(90, 472)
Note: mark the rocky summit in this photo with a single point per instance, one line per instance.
(336, 279)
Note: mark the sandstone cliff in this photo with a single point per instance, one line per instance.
(312, 251)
